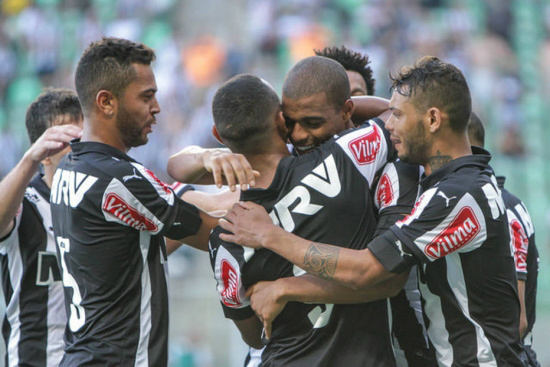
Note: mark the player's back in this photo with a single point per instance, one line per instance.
(323, 196)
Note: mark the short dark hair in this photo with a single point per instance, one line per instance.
(431, 82)
(243, 109)
(352, 61)
(107, 65)
(50, 104)
(316, 74)
(476, 131)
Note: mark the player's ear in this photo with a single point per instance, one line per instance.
(106, 103)
(348, 109)
(435, 117)
(281, 124)
(217, 134)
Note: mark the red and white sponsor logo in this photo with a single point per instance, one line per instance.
(365, 148)
(384, 193)
(521, 242)
(115, 205)
(164, 186)
(230, 292)
(463, 228)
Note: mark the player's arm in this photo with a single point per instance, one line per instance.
(12, 187)
(268, 299)
(523, 312)
(215, 205)
(199, 240)
(211, 166)
(251, 226)
(251, 331)
(368, 107)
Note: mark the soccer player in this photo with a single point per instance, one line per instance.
(356, 64)
(526, 255)
(395, 195)
(110, 214)
(303, 194)
(457, 232)
(35, 310)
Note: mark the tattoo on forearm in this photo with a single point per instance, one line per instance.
(438, 160)
(321, 260)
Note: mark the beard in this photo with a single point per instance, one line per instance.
(417, 146)
(130, 129)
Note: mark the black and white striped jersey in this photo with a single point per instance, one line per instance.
(458, 232)
(323, 196)
(35, 311)
(394, 198)
(526, 255)
(109, 216)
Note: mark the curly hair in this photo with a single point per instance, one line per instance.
(107, 65)
(351, 60)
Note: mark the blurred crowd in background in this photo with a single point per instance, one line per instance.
(502, 46)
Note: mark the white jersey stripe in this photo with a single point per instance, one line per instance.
(12, 310)
(142, 354)
(457, 283)
(436, 330)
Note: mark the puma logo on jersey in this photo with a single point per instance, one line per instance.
(462, 229)
(447, 200)
(129, 177)
(365, 148)
(70, 187)
(402, 253)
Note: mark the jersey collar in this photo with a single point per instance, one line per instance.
(479, 158)
(79, 148)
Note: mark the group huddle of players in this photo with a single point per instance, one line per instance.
(345, 202)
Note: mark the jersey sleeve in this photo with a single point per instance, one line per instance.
(138, 199)
(519, 241)
(181, 188)
(7, 240)
(227, 260)
(368, 148)
(444, 220)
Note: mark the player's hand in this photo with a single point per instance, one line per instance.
(247, 222)
(234, 167)
(265, 300)
(53, 141)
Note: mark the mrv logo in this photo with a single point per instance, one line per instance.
(323, 179)
(70, 187)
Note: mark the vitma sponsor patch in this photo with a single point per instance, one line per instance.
(118, 207)
(462, 229)
(365, 148)
(230, 292)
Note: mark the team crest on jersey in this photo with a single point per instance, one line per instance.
(384, 193)
(462, 229)
(116, 206)
(230, 292)
(365, 148)
(520, 242)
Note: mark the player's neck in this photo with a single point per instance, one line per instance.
(442, 153)
(266, 164)
(101, 133)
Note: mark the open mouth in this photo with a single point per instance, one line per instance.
(304, 149)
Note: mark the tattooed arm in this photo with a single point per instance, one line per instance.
(250, 226)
